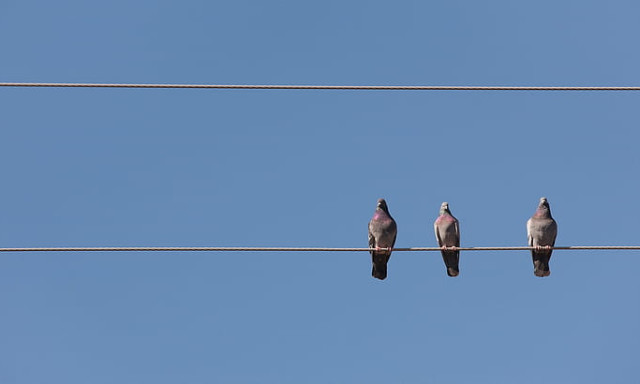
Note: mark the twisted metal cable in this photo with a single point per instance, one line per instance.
(324, 87)
(301, 249)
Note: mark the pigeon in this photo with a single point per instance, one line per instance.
(382, 234)
(448, 235)
(542, 231)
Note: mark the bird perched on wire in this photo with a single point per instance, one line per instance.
(382, 237)
(542, 231)
(448, 235)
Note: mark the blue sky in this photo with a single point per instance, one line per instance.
(122, 167)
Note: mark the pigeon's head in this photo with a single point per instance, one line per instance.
(444, 208)
(382, 204)
(543, 208)
(543, 203)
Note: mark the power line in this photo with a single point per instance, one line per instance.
(323, 87)
(302, 249)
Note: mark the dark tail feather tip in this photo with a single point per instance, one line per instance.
(379, 272)
(453, 272)
(541, 270)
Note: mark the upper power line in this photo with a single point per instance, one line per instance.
(307, 249)
(324, 87)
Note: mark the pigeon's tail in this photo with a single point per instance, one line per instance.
(541, 263)
(451, 261)
(380, 260)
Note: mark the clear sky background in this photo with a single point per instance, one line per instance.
(122, 167)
